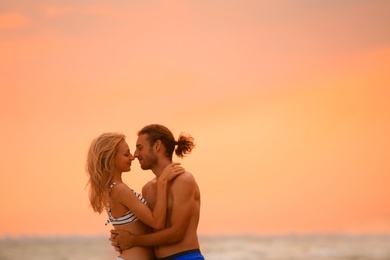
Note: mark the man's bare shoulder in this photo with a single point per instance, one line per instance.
(148, 185)
(151, 182)
(185, 179)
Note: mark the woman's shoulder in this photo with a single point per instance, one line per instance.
(119, 188)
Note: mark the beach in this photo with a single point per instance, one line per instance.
(245, 247)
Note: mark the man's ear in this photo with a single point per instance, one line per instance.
(157, 145)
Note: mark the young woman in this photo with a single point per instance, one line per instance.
(108, 157)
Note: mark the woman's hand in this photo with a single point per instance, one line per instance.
(171, 171)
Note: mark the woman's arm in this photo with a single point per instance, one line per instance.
(180, 219)
(155, 219)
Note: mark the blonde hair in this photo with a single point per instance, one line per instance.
(99, 168)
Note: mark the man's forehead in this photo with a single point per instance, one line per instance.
(142, 140)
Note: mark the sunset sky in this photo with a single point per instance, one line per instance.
(288, 102)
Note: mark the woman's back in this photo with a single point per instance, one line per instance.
(123, 218)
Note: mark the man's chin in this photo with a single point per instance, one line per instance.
(144, 167)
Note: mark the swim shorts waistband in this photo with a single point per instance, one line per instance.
(193, 254)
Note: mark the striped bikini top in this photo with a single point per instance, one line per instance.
(129, 217)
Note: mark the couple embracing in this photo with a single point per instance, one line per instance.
(160, 223)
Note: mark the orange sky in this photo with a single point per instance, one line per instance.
(287, 101)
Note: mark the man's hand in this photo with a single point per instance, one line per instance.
(114, 243)
(121, 239)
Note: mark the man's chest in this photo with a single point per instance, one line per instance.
(151, 197)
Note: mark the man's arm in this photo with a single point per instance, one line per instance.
(183, 190)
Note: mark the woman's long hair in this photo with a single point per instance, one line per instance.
(99, 168)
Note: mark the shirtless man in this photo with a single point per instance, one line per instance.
(179, 240)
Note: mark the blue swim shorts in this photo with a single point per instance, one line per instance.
(194, 254)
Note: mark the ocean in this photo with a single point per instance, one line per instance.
(310, 247)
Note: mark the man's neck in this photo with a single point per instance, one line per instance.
(159, 168)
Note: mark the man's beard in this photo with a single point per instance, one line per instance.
(150, 161)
